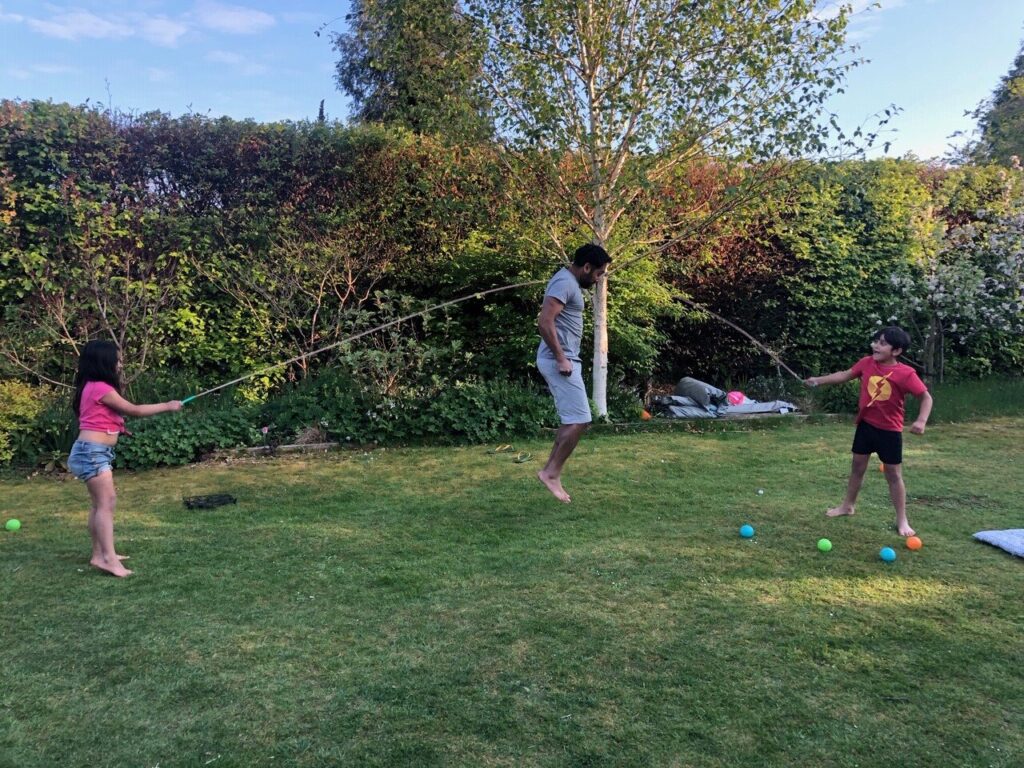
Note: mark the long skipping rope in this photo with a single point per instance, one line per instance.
(760, 345)
(754, 341)
(353, 337)
(475, 295)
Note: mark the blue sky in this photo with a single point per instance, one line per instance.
(260, 59)
(249, 59)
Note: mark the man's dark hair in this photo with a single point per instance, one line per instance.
(896, 336)
(591, 254)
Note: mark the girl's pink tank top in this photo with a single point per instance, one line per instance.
(92, 414)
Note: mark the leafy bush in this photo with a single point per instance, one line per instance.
(971, 400)
(766, 388)
(20, 406)
(185, 437)
(483, 411)
(471, 410)
(624, 404)
(51, 435)
(330, 400)
(837, 398)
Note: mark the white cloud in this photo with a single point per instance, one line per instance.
(829, 9)
(864, 19)
(303, 17)
(54, 69)
(75, 25)
(162, 31)
(80, 24)
(157, 75)
(10, 16)
(238, 62)
(32, 70)
(223, 56)
(235, 19)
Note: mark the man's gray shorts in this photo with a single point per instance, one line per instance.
(570, 395)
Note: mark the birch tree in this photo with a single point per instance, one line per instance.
(604, 100)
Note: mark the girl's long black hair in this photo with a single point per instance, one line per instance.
(98, 362)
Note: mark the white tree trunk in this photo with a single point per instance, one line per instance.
(600, 384)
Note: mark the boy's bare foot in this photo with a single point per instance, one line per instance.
(905, 529)
(839, 511)
(114, 569)
(554, 484)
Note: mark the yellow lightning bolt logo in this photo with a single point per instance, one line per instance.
(879, 388)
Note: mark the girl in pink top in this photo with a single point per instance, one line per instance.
(101, 410)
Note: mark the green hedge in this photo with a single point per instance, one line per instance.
(462, 411)
(173, 439)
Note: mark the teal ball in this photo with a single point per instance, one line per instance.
(746, 531)
(888, 554)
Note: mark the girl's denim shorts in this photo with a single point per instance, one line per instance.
(88, 459)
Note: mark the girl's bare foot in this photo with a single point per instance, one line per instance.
(114, 569)
(119, 557)
(904, 529)
(554, 484)
(839, 511)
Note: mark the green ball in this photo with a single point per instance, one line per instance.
(13, 525)
(824, 545)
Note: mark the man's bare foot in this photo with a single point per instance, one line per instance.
(839, 511)
(554, 484)
(114, 569)
(905, 529)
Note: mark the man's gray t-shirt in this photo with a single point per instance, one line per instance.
(569, 323)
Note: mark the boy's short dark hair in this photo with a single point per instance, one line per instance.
(591, 254)
(896, 336)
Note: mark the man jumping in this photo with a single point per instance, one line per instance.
(558, 356)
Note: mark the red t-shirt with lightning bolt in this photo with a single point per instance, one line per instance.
(882, 390)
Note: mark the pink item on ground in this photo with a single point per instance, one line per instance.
(735, 398)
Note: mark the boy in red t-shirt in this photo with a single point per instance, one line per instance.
(884, 383)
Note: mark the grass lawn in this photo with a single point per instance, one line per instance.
(429, 607)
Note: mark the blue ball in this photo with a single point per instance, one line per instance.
(888, 554)
(746, 531)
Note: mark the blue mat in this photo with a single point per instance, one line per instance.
(1012, 540)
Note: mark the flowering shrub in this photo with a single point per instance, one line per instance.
(972, 287)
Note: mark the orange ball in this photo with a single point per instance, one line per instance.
(645, 416)
(914, 543)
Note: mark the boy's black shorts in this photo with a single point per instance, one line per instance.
(885, 442)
